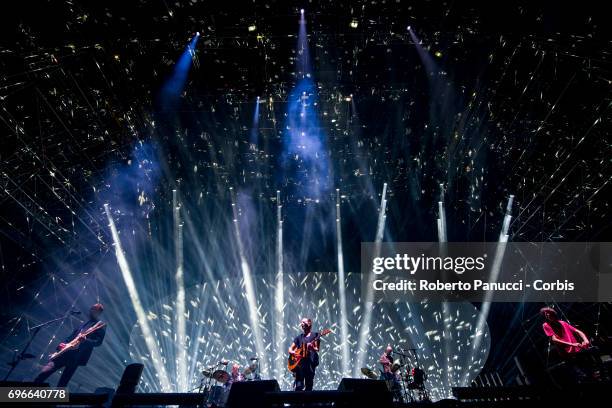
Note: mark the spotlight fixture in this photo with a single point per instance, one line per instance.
(302, 11)
(438, 54)
(354, 23)
(252, 27)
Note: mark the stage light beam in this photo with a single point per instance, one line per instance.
(344, 345)
(364, 329)
(279, 298)
(175, 84)
(493, 276)
(441, 221)
(446, 312)
(126, 273)
(181, 344)
(249, 287)
(255, 124)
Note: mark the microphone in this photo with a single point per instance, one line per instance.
(253, 359)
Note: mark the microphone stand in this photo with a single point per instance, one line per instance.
(409, 392)
(23, 355)
(416, 356)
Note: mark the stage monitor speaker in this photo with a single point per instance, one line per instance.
(250, 393)
(367, 392)
(130, 379)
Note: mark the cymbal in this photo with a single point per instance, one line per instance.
(221, 376)
(207, 373)
(368, 373)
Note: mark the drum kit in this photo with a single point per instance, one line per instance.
(216, 381)
(402, 380)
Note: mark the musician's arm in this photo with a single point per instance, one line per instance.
(558, 340)
(315, 345)
(96, 338)
(585, 339)
(292, 348)
(554, 338)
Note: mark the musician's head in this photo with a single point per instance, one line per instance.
(306, 325)
(389, 349)
(549, 314)
(235, 369)
(95, 311)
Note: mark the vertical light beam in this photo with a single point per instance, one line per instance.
(441, 217)
(126, 273)
(249, 288)
(181, 327)
(447, 334)
(364, 329)
(255, 124)
(303, 59)
(279, 298)
(344, 335)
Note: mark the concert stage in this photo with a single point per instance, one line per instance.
(306, 202)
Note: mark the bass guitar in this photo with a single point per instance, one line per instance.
(74, 343)
(302, 352)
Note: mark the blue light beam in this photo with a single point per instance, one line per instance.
(174, 86)
(305, 158)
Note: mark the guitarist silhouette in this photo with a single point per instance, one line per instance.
(305, 350)
(77, 355)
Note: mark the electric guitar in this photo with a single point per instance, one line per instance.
(294, 359)
(74, 343)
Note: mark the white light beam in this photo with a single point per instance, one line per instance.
(495, 267)
(279, 298)
(181, 344)
(364, 329)
(249, 288)
(342, 292)
(152, 345)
